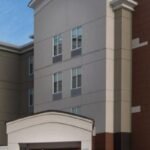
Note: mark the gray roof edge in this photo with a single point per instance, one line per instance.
(16, 49)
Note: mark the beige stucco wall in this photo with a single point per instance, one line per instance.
(60, 17)
(12, 78)
(97, 60)
(26, 83)
(9, 90)
(3, 147)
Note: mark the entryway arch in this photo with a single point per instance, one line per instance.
(51, 131)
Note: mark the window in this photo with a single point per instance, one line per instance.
(30, 100)
(76, 40)
(57, 45)
(57, 83)
(76, 78)
(76, 82)
(57, 48)
(30, 97)
(75, 110)
(30, 65)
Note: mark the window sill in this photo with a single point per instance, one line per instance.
(76, 52)
(57, 96)
(76, 92)
(57, 58)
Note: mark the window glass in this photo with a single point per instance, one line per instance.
(57, 45)
(74, 82)
(79, 81)
(57, 83)
(30, 97)
(76, 77)
(30, 69)
(59, 75)
(74, 72)
(76, 38)
(60, 45)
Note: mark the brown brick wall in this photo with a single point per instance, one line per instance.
(141, 77)
(110, 141)
(104, 141)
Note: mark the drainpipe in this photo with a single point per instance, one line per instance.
(123, 73)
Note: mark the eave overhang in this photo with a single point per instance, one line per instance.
(7, 47)
(35, 3)
(32, 3)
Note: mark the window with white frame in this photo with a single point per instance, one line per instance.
(75, 110)
(30, 66)
(57, 45)
(76, 78)
(57, 82)
(77, 38)
(30, 97)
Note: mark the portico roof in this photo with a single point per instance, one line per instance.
(51, 117)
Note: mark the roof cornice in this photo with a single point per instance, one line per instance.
(32, 3)
(127, 4)
(37, 5)
(16, 49)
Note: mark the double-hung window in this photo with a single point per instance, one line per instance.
(76, 78)
(57, 48)
(76, 41)
(57, 85)
(30, 68)
(76, 81)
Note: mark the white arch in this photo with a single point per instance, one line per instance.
(50, 127)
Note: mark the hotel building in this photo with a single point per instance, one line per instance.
(85, 78)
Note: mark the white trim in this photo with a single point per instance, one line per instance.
(10, 50)
(71, 79)
(136, 109)
(57, 55)
(53, 83)
(137, 44)
(41, 4)
(16, 49)
(37, 119)
(50, 127)
(26, 50)
(53, 46)
(15, 46)
(128, 4)
(71, 40)
(94, 131)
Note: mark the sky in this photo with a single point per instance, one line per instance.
(16, 22)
